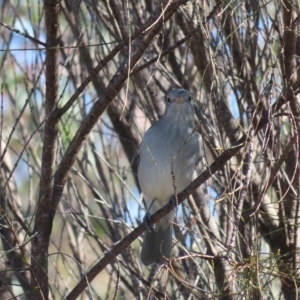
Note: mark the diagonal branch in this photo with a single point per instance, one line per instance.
(27, 36)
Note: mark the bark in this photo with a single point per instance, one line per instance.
(43, 216)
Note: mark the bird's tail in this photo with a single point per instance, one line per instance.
(157, 245)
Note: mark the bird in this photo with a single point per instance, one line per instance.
(168, 156)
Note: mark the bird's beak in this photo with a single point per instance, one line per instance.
(179, 100)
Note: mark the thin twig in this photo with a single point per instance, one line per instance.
(26, 35)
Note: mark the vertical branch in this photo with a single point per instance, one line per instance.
(246, 182)
(42, 224)
(289, 43)
(223, 270)
(290, 184)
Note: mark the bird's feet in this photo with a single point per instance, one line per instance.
(146, 219)
(173, 202)
(147, 216)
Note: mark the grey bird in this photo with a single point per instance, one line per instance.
(172, 138)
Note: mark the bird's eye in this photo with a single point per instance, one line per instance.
(190, 98)
(168, 99)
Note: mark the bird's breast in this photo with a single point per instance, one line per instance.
(167, 161)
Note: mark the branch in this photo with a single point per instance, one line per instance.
(246, 181)
(289, 42)
(42, 224)
(23, 34)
